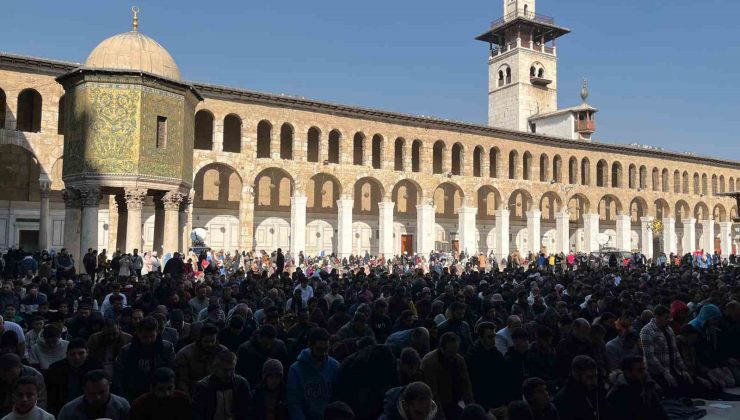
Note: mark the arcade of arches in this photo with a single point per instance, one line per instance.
(268, 176)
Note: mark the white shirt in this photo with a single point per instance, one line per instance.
(36, 413)
(504, 340)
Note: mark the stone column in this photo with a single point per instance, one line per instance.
(44, 189)
(159, 224)
(669, 236)
(707, 242)
(122, 223)
(186, 221)
(425, 235)
(725, 238)
(90, 197)
(367, 152)
(534, 235)
(562, 232)
(466, 229)
(624, 232)
(407, 155)
(502, 233)
(275, 142)
(646, 237)
(134, 202)
(72, 216)
(297, 224)
(344, 226)
(171, 203)
(590, 232)
(385, 227)
(689, 235)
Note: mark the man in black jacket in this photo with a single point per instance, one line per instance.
(225, 387)
(253, 354)
(486, 367)
(633, 395)
(138, 360)
(582, 398)
(65, 378)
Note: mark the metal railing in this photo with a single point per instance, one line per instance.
(526, 14)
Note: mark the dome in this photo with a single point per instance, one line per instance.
(133, 51)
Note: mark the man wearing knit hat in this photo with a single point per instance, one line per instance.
(269, 395)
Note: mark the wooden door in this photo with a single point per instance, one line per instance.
(407, 244)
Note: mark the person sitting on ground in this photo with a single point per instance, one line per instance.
(633, 395)
(413, 401)
(97, 402)
(582, 398)
(535, 393)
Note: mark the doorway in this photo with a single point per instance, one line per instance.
(407, 244)
(456, 245)
(28, 240)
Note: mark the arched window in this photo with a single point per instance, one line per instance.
(493, 162)
(358, 149)
(457, 159)
(656, 180)
(334, 137)
(28, 116)
(513, 165)
(3, 101)
(377, 151)
(544, 168)
(527, 166)
(616, 175)
(676, 181)
(286, 142)
(557, 169)
(541, 73)
(60, 115)
(508, 75)
(232, 134)
(585, 172)
(264, 133)
(573, 170)
(685, 182)
(500, 78)
(398, 154)
(203, 130)
(704, 183)
(664, 180)
(312, 145)
(477, 157)
(601, 174)
(532, 72)
(437, 157)
(416, 156)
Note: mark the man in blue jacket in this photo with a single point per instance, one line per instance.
(311, 378)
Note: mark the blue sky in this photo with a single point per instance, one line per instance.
(662, 72)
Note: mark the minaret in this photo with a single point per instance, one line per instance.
(522, 65)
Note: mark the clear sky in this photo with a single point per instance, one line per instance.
(662, 72)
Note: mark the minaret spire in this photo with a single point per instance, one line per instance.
(584, 90)
(135, 20)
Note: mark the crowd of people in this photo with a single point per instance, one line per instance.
(258, 335)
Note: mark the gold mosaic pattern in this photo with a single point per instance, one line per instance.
(166, 162)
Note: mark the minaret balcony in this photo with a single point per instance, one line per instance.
(539, 81)
(585, 126)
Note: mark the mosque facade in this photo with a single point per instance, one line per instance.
(120, 153)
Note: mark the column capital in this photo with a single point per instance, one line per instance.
(44, 185)
(564, 214)
(71, 197)
(135, 198)
(623, 217)
(725, 225)
(171, 200)
(187, 201)
(668, 220)
(345, 202)
(502, 212)
(689, 221)
(384, 205)
(298, 200)
(533, 214)
(646, 219)
(89, 196)
(590, 216)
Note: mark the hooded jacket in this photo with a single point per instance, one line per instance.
(676, 307)
(251, 356)
(707, 351)
(393, 408)
(310, 388)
